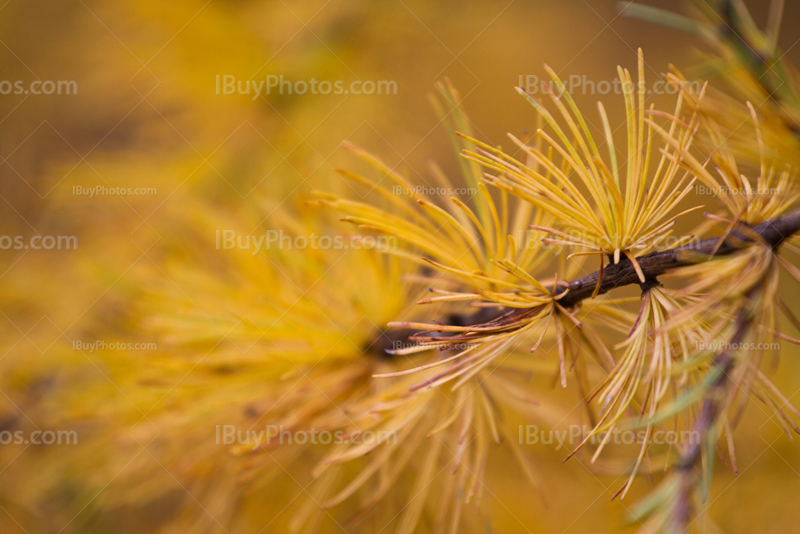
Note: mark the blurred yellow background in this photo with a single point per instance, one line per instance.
(147, 115)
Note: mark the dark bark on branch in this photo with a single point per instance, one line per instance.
(773, 232)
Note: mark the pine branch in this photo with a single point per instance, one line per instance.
(773, 232)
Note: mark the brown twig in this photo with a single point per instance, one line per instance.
(772, 232)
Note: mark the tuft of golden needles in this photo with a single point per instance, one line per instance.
(630, 209)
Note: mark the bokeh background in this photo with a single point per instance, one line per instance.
(147, 115)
